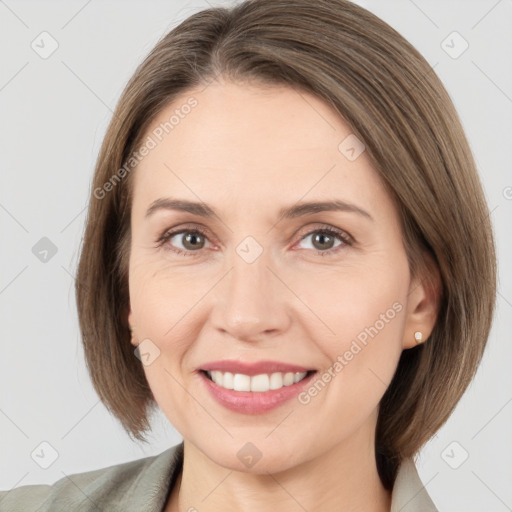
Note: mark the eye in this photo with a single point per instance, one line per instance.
(192, 240)
(323, 240)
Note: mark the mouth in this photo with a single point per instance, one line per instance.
(260, 383)
(254, 388)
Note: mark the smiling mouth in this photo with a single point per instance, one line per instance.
(257, 383)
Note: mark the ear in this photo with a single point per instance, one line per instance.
(133, 339)
(423, 303)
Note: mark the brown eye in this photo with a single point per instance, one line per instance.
(192, 240)
(327, 240)
(323, 241)
(184, 241)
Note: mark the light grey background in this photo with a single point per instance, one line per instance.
(54, 113)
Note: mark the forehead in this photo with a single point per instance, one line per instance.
(230, 142)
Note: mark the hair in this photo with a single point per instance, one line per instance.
(393, 101)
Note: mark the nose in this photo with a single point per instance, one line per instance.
(251, 301)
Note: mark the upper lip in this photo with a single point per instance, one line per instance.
(253, 368)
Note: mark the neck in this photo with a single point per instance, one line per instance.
(343, 478)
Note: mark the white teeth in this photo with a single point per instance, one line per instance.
(260, 383)
(288, 379)
(241, 382)
(227, 380)
(276, 381)
(299, 376)
(256, 383)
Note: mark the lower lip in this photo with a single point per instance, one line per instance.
(250, 402)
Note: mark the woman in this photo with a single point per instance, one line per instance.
(288, 252)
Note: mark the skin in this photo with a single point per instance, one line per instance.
(248, 151)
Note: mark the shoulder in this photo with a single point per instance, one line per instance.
(124, 486)
(409, 493)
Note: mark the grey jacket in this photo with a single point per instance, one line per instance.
(143, 485)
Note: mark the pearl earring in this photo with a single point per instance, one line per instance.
(418, 336)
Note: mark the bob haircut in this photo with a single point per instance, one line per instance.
(389, 95)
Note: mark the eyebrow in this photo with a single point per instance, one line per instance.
(290, 212)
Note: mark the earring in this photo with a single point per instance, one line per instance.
(131, 335)
(418, 336)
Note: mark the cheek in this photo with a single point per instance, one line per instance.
(369, 350)
(161, 295)
(170, 396)
(362, 313)
(163, 301)
(362, 302)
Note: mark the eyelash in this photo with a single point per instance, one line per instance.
(341, 235)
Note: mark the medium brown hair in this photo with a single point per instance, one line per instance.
(386, 91)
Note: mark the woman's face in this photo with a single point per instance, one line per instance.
(257, 294)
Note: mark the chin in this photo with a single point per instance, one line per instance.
(255, 457)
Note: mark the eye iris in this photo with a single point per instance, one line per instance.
(191, 237)
(322, 237)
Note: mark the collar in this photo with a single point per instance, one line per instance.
(150, 490)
